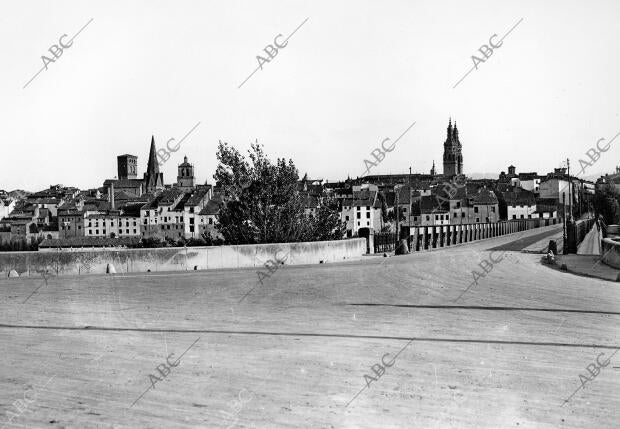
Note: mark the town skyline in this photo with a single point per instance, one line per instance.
(389, 70)
(171, 163)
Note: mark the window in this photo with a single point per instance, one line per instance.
(134, 223)
(111, 223)
(69, 227)
(97, 232)
(455, 214)
(347, 218)
(127, 231)
(191, 228)
(514, 216)
(79, 227)
(428, 217)
(146, 221)
(210, 221)
(521, 216)
(358, 208)
(492, 209)
(477, 219)
(368, 215)
(358, 224)
(126, 223)
(90, 232)
(134, 231)
(436, 217)
(367, 207)
(146, 213)
(104, 232)
(359, 215)
(367, 223)
(476, 209)
(462, 214)
(191, 220)
(487, 220)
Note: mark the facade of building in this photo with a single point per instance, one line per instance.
(111, 224)
(520, 204)
(361, 211)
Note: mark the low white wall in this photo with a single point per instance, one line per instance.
(180, 258)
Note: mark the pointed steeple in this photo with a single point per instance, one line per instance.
(456, 132)
(449, 129)
(153, 165)
(153, 179)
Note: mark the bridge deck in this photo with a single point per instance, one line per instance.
(296, 349)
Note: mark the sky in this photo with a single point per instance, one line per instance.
(354, 74)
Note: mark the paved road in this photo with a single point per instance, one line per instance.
(296, 351)
(529, 239)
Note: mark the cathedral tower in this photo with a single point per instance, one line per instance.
(452, 152)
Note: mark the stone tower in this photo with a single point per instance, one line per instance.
(185, 176)
(153, 179)
(452, 152)
(127, 167)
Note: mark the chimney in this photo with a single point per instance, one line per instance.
(111, 195)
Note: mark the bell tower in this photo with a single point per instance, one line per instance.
(452, 152)
(185, 176)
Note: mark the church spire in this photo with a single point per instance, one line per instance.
(152, 166)
(153, 179)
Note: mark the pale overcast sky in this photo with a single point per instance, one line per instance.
(355, 73)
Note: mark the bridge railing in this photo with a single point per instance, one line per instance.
(576, 232)
(438, 236)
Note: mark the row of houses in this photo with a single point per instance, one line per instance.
(184, 210)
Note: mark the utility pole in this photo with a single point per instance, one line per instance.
(397, 211)
(570, 192)
(564, 222)
(409, 209)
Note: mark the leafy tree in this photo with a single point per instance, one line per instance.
(262, 203)
(605, 202)
(326, 225)
(384, 207)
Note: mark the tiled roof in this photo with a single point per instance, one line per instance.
(519, 197)
(125, 183)
(197, 196)
(485, 196)
(528, 176)
(365, 198)
(428, 204)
